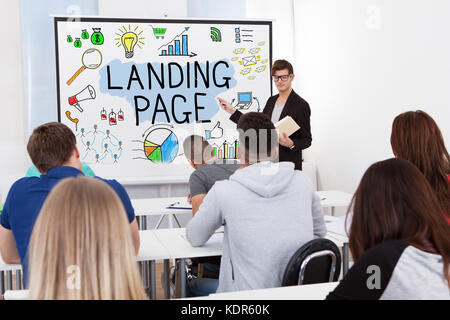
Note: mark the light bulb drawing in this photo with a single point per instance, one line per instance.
(129, 39)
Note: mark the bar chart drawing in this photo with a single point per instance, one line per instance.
(226, 150)
(177, 47)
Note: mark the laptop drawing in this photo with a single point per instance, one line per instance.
(244, 100)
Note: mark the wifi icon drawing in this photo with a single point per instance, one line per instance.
(216, 35)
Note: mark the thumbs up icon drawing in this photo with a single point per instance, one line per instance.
(215, 133)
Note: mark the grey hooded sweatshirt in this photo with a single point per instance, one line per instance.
(268, 211)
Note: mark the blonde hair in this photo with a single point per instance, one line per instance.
(81, 246)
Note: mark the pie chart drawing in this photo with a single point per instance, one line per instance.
(161, 145)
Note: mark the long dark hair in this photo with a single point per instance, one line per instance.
(416, 137)
(394, 201)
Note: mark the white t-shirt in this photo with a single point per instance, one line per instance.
(276, 113)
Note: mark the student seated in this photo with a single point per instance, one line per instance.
(268, 210)
(398, 237)
(52, 149)
(208, 170)
(416, 137)
(81, 246)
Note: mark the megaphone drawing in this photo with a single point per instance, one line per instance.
(85, 94)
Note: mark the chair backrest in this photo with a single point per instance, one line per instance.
(317, 261)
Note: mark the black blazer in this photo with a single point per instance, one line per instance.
(299, 110)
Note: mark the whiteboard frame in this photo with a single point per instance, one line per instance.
(60, 18)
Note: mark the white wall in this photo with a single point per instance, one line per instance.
(13, 157)
(362, 63)
(143, 8)
(281, 13)
(12, 105)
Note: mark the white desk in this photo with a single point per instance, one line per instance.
(166, 244)
(334, 198)
(174, 240)
(16, 294)
(9, 268)
(179, 248)
(304, 292)
(151, 247)
(150, 250)
(157, 206)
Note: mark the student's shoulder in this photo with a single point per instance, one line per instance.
(380, 259)
(198, 174)
(113, 183)
(302, 178)
(223, 185)
(24, 183)
(385, 255)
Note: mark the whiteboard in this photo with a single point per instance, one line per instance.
(132, 89)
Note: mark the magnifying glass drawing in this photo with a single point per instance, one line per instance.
(91, 59)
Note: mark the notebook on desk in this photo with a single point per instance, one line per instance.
(184, 205)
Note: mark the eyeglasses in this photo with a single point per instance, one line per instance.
(283, 78)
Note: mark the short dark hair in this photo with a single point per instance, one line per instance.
(51, 145)
(257, 135)
(197, 149)
(281, 65)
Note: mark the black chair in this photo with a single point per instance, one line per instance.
(317, 261)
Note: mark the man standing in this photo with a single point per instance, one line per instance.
(52, 149)
(286, 103)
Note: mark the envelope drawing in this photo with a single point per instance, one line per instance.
(249, 61)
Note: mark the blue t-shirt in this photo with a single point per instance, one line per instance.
(25, 200)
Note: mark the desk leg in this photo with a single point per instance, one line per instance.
(332, 211)
(345, 258)
(9, 280)
(159, 221)
(2, 282)
(176, 220)
(18, 279)
(169, 194)
(145, 274)
(166, 279)
(183, 278)
(152, 280)
(144, 222)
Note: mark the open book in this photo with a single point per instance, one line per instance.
(286, 125)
